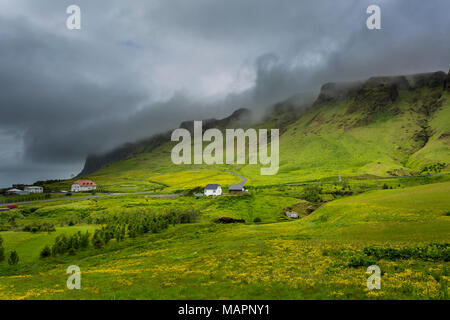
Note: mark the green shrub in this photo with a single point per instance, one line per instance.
(13, 258)
(39, 227)
(257, 219)
(312, 193)
(361, 260)
(97, 239)
(431, 251)
(46, 252)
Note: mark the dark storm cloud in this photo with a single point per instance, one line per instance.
(138, 68)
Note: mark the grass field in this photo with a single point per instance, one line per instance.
(284, 260)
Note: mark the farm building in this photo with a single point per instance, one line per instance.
(291, 214)
(213, 190)
(83, 185)
(18, 192)
(236, 188)
(34, 189)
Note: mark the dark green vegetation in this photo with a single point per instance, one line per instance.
(2, 250)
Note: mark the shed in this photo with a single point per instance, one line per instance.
(236, 188)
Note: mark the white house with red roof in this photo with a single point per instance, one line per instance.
(83, 185)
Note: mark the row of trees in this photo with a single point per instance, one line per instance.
(67, 244)
(118, 227)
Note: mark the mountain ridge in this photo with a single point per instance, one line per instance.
(382, 125)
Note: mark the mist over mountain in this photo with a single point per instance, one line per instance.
(366, 101)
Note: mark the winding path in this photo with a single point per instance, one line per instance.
(244, 179)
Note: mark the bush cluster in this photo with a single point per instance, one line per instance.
(39, 227)
(312, 193)
(67, 244)
(431, 251)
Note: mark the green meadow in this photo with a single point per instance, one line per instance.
(313, 257)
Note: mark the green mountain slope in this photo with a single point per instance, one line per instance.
(383, 126)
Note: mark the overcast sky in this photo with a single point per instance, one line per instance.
(140, 67)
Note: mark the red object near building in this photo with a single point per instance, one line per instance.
(85, 183)
(12, 206)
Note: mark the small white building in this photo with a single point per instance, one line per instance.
(213, 190)
(34, 189)
(291, 214)
(18, 192)
(83, 185)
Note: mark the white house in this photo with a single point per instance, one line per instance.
(34, 189)
(83, 185)
(213, 190)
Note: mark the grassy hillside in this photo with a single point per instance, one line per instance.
(322, 256)
(381, 128)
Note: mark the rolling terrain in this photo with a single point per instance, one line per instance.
(388, 137)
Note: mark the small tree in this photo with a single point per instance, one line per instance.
(13, 258)
(84, 240)
(97, 239)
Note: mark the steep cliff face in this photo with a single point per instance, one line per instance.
(384, 125)
(447, 82)
(95, 162)
(376, 96)
(240, 117)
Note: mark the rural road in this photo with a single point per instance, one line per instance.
(167, 196)
(244, 180)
